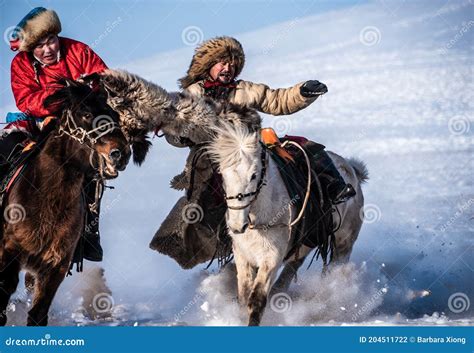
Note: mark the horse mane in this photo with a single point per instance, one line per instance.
(230, 143)
(71, 94)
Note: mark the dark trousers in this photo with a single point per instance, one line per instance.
(328, 174)
(8, 144)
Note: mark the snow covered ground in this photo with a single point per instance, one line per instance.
(400, 79)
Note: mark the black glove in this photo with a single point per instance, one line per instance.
(313, 88)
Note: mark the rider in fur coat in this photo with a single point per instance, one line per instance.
(212, 76)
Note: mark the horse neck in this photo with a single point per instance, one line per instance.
(273, 198)
(62, 165)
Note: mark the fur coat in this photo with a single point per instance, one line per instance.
(144, 107)
(194, 232)
(257, 96)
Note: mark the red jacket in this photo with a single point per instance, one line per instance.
(32, 83)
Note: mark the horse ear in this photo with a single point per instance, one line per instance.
(71, 94)
(58, 100)
(91, 79)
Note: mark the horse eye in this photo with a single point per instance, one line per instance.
(254, 175)
(87, 116)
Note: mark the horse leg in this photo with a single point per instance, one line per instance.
(259, 294)
(245, 276)
(345, 239)
(9, 270)
(46, 286)
(289, 272)
(286, 276)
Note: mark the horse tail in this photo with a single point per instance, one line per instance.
(360, 169)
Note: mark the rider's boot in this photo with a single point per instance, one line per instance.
(337, 188)
(92, 248)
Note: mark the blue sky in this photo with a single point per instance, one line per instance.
(121, 31)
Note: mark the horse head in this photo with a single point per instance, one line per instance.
(241, 161)
(86, 118)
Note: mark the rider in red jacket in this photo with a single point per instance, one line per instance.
(33, 81)
(43, 59)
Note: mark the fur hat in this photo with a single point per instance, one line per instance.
(37, 24)
(210, 53)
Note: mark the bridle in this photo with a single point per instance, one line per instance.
(253, 194)
(85, 138)
(82, 135)
(261, 182)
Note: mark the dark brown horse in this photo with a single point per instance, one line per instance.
(45, 209)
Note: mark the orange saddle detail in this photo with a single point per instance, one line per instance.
(271, 140)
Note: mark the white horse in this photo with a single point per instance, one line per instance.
(260, 212)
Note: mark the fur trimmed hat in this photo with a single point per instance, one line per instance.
(37, 24)
(210, 53)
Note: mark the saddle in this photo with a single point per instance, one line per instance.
(21, 154)
(16, 164)
(315, 228)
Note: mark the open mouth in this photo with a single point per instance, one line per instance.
(110, 173)
(108, 168)
(225, 75)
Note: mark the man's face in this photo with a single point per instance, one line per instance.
(223, 72)
(47, 50)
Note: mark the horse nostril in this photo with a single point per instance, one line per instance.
(244, 228)
(115, 154)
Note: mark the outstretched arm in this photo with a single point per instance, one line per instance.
(280, 101)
